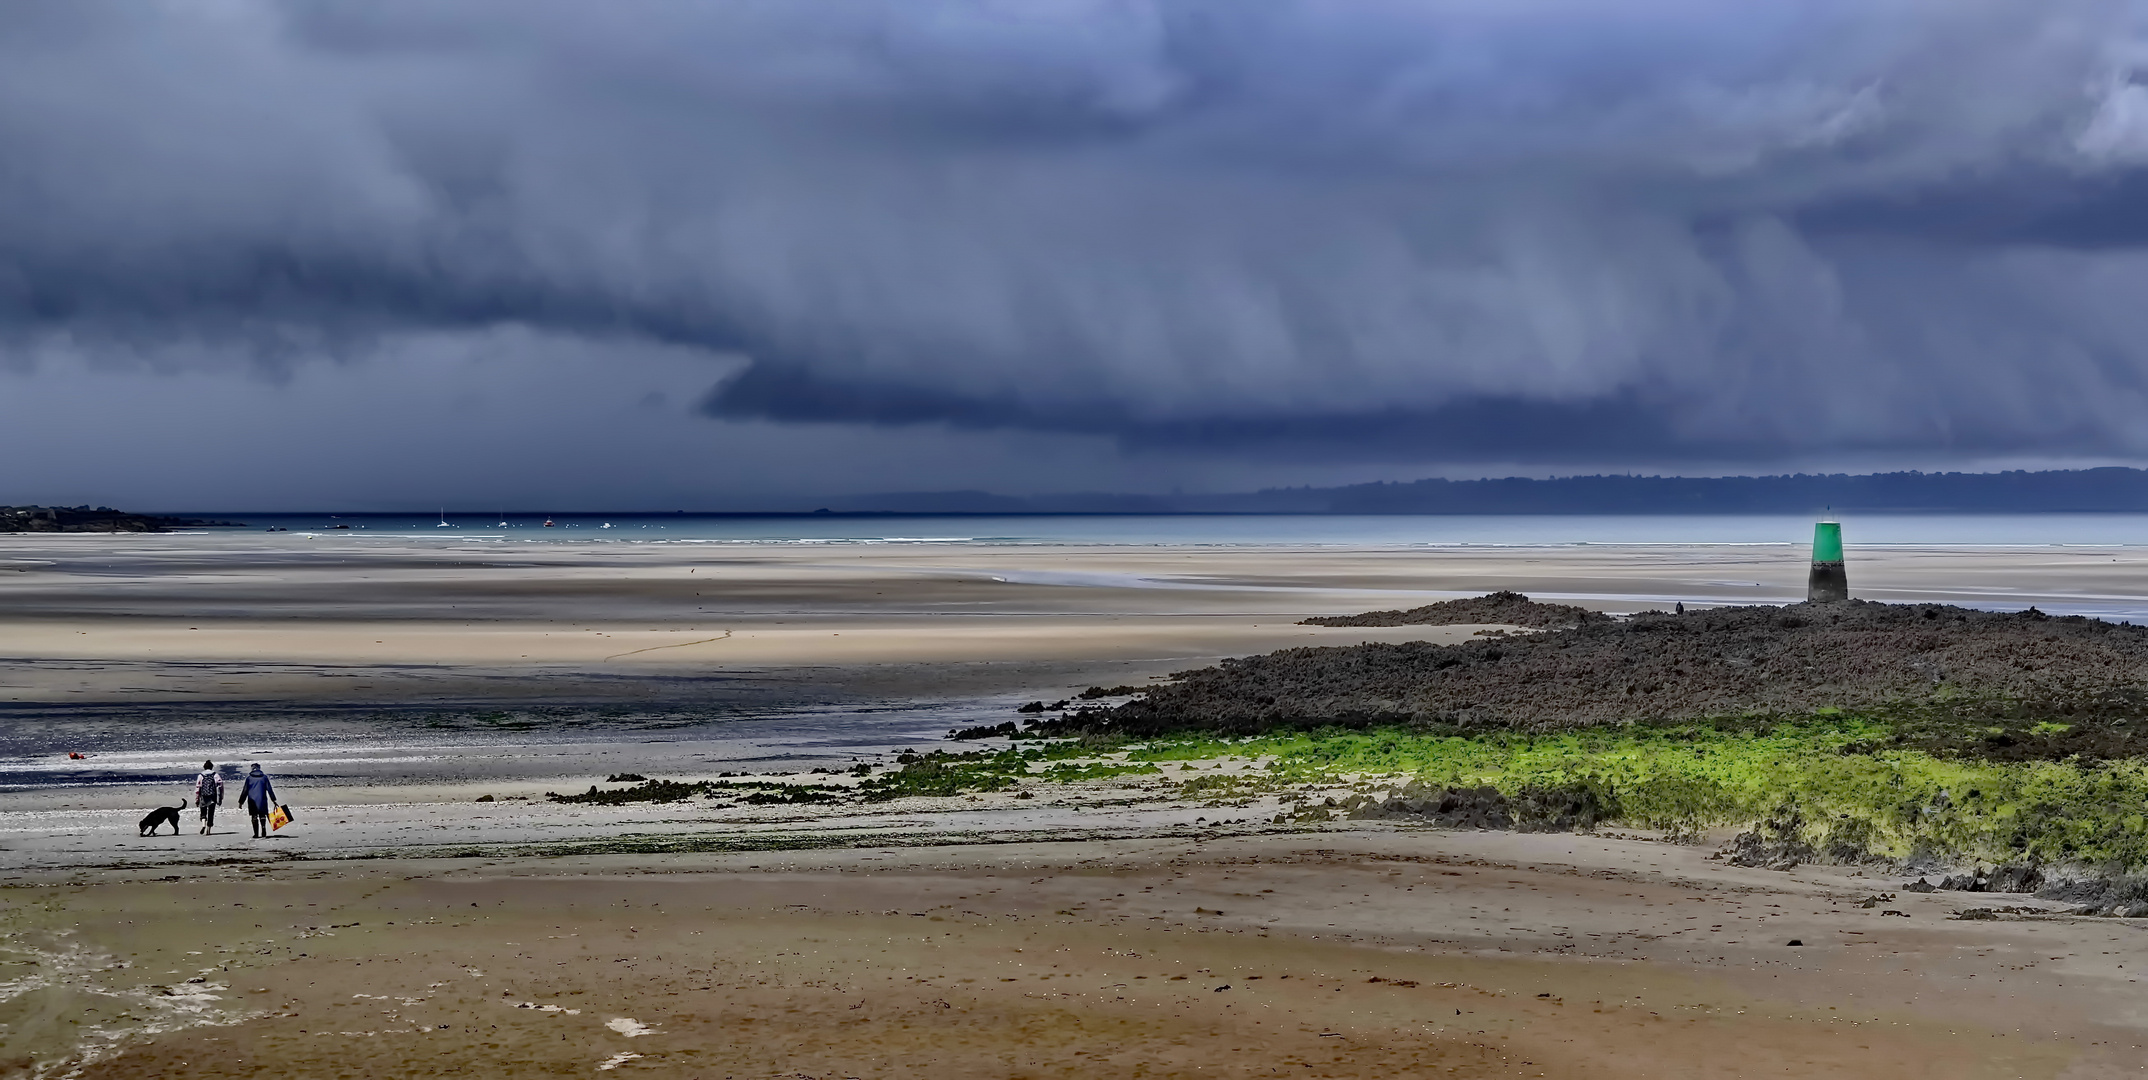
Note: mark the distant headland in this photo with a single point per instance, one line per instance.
(2101, 490)
(28, 519)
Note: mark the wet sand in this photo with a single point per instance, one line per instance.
(91, 620)
(1356, 953)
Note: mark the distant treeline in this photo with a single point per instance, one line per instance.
(19, 519)
(2091, 490)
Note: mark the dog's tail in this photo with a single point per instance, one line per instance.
(181, 806)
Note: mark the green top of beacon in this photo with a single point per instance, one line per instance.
(1827, 541)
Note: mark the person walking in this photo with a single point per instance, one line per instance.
(208, 795)
(259, 797)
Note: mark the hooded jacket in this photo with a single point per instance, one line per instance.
(258, 795)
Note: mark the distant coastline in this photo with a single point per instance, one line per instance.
(2101, 490)
(103, 519)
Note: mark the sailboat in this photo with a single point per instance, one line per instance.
(443, 520)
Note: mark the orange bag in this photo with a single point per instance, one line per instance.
(279, 817)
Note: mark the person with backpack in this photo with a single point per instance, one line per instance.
(259, 797)
(208, 795)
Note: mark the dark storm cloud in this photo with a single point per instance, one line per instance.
(1392, 229)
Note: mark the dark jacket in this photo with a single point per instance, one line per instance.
(258, 795)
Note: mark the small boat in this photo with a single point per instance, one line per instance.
(548, 523)
(443, 520)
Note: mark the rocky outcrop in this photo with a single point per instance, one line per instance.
(2123, 897)
(1993, 667)
(1502, 608)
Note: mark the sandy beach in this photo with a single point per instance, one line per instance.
(1118, 926)
(1361, 953)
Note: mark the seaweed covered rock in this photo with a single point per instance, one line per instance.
(2123, 897)
(1575, 807)
(1454, 808)
(1566, 808)
(2002, 879)
(1774, 843)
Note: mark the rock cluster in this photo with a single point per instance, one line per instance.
(2115, 897)
(2001, 879)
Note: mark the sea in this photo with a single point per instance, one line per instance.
(1222, 530)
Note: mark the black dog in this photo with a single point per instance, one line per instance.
(160, 817)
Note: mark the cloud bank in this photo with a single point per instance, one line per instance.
(1564, 231)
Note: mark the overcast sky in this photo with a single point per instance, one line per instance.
(378, 253)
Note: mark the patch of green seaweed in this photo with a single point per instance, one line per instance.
(940, 773)
(793, 795)
(1854, 782)
(650, 791)
(1068, 772)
